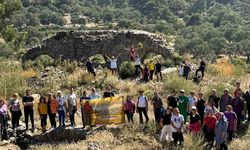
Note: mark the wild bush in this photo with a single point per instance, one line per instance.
(174, 82)
(127, 70)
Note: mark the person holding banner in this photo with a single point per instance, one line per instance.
(108, 92)
(94, 94)
(142, 107)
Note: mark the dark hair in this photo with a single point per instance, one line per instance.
(170, 108)
(42, 98)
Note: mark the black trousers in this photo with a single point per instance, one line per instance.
(15, 117)
(29, 112)
(145, 78)
(202, 70)
(230, 135)
(144, 111)
(4, 127)
(43, 121)
(72, 118)
(186, 75)
(52, 119)
(157, 113)
(137, 68)
(178, 137)
(151, 77)
(223, 146)
(157, 73)
(248, 111)
(82, 118)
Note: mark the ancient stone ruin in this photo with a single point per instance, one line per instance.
(80, 45)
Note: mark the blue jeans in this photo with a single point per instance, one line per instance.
(61, 114)
(4, 127)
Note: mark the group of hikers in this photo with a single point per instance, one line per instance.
(145, 74)
(150, 68)
(217, 118)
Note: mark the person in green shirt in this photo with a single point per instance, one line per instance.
(183, 105)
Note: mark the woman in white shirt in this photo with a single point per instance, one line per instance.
(177, 121)
(142, 107)
(180, 70)
(72, 106)
(113, 63)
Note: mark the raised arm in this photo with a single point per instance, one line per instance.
(118, 55)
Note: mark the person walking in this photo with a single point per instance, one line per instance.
(129, 108)
(247, 100)
(186, 71)
(52, 109)
(183, 105)
(28, 102)
(90, 67)
(42, 109)
(214, 98)
(238, 105)
(15, 111)
(226, 98)
(177, 122)
(72, 106)
(166, 132)
(158, 68)
(61, 108)
(157, 105)
(142, 107)
(172, 100)
(232, 122)
(221, 131)
(201, 69)
(195, 121)
(151, 66)
(201, 103)
(3, 119)
(181, 70)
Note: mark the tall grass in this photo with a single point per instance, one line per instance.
(11, 79)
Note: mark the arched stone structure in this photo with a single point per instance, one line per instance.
(80, 45)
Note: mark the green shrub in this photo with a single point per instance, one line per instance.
(127, 70)
(44, 60)
(70, 66)
(174, 82)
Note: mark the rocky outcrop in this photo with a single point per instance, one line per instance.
(80, 45)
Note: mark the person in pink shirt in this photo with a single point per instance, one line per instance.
(129, 108)
(3, 119)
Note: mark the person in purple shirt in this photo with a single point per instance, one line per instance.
(232, 122)
(3, 119)
(238, 105)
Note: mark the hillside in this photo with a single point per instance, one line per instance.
(201, 27)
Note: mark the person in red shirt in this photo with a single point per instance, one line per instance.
(209, 127)
(132, 52)
(237, 88)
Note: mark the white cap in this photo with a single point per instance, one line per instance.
(182, 91)
(193, 108)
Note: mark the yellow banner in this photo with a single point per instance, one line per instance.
(107, 110)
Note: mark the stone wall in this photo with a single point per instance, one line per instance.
(80, 45)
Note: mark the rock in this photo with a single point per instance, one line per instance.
(80, 45)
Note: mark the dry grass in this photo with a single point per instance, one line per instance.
(29, 73)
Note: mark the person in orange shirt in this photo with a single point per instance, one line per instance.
(43, 112)
(87, 111)
(52, 109)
